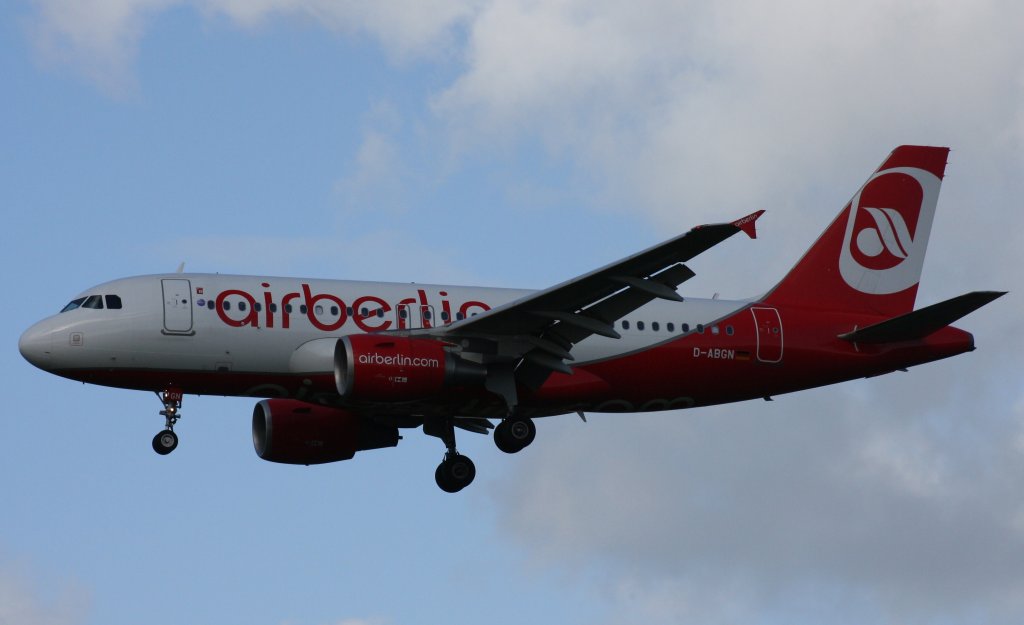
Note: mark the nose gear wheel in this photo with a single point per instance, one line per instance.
(166, 441)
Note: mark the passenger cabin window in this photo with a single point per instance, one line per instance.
(671, 327)
(729, 330)
(625, 324)
(685, 327)
(639, 325)
(210, 304)
(113, 302)
(655, 326)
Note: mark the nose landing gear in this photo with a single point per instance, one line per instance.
(166, 441)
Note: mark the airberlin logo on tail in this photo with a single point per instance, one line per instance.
(889, 240)
(887, 230)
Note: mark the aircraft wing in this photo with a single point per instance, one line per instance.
(543, 326)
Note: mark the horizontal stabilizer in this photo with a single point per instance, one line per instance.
(920, 323)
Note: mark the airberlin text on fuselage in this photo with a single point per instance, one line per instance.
(268, 313)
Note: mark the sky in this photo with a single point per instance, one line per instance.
(509, 143)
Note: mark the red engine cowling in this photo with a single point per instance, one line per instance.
(393, 369)
(294, 432)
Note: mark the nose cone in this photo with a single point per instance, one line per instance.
(36, 346)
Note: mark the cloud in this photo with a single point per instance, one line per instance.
(378, 176)
(674, 102)
(22, 601)
(97, 37)
(895, 498)
(100, 38)
(888, 500)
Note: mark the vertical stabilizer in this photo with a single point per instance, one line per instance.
(869, 259)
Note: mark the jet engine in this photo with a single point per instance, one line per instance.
(294, 432)
(392, 369)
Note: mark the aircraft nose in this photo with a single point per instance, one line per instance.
(36, 346)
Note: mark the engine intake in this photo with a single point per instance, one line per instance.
(294, 432)
(392, 369)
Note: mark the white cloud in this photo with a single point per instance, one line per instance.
(22, 601)
(97, 37)
(379, 176)
(896, 499)
(100, 37)
(893, 498)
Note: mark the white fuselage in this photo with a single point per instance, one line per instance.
(270, 325)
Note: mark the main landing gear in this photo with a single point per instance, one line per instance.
(513, 434)
(456, 471)
(166, 441)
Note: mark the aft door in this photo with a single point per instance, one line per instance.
(769, 334)
(177, 306)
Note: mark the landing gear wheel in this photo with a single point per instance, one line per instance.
(455, 473)
(514, 434)
(165, 442)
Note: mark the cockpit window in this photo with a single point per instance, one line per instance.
(73, 304)
(94, 302)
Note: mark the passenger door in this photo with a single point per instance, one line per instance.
(769, 334)
(177, 306)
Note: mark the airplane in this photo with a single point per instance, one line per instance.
(342, 366)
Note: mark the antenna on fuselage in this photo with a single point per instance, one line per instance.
(181, 268)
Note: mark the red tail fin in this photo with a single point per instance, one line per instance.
(869, 259)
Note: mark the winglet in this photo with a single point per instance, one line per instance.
(746, 224)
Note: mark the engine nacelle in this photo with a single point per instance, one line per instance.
(294, 432)
(393, 369)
